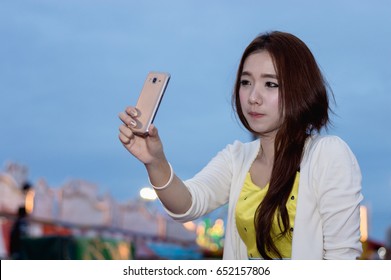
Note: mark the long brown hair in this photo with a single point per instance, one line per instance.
(304, 105)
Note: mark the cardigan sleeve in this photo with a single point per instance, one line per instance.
(337, 183)
(209, 188)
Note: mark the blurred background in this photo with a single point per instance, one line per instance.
(67, 68)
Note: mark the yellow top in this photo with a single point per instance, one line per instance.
(250, 197)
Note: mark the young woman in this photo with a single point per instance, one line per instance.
(292, 193)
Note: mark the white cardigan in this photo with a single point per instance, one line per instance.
(327, 223)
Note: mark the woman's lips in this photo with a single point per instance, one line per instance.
(255, 115)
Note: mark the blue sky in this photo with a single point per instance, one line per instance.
(67, 68)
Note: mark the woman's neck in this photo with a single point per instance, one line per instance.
(266, 152)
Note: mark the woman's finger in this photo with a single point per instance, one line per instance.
(126, 131)
(124, 140)
(127, 120)
(131, 111)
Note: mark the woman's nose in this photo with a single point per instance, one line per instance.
(255, 96)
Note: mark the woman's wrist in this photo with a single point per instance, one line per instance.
(171, 177)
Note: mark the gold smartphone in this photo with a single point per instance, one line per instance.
(149, 100)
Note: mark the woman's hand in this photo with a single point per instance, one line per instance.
(148, 149)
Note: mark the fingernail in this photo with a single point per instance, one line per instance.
(133, 123)
(133, 112)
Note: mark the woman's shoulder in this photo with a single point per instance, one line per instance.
(239, 150)
(327, 142)
(329, 146)
(243, 147)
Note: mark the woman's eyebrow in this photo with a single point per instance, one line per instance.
(270, 76)
(265, 75)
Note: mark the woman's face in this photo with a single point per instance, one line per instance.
(259, 94)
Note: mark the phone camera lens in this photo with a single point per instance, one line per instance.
(154, 80)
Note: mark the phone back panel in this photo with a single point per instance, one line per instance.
(149, 100)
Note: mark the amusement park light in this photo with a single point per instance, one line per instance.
(148, 193)
(363, 223)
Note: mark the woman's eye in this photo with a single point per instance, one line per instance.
(271, 85)
(245, 83)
